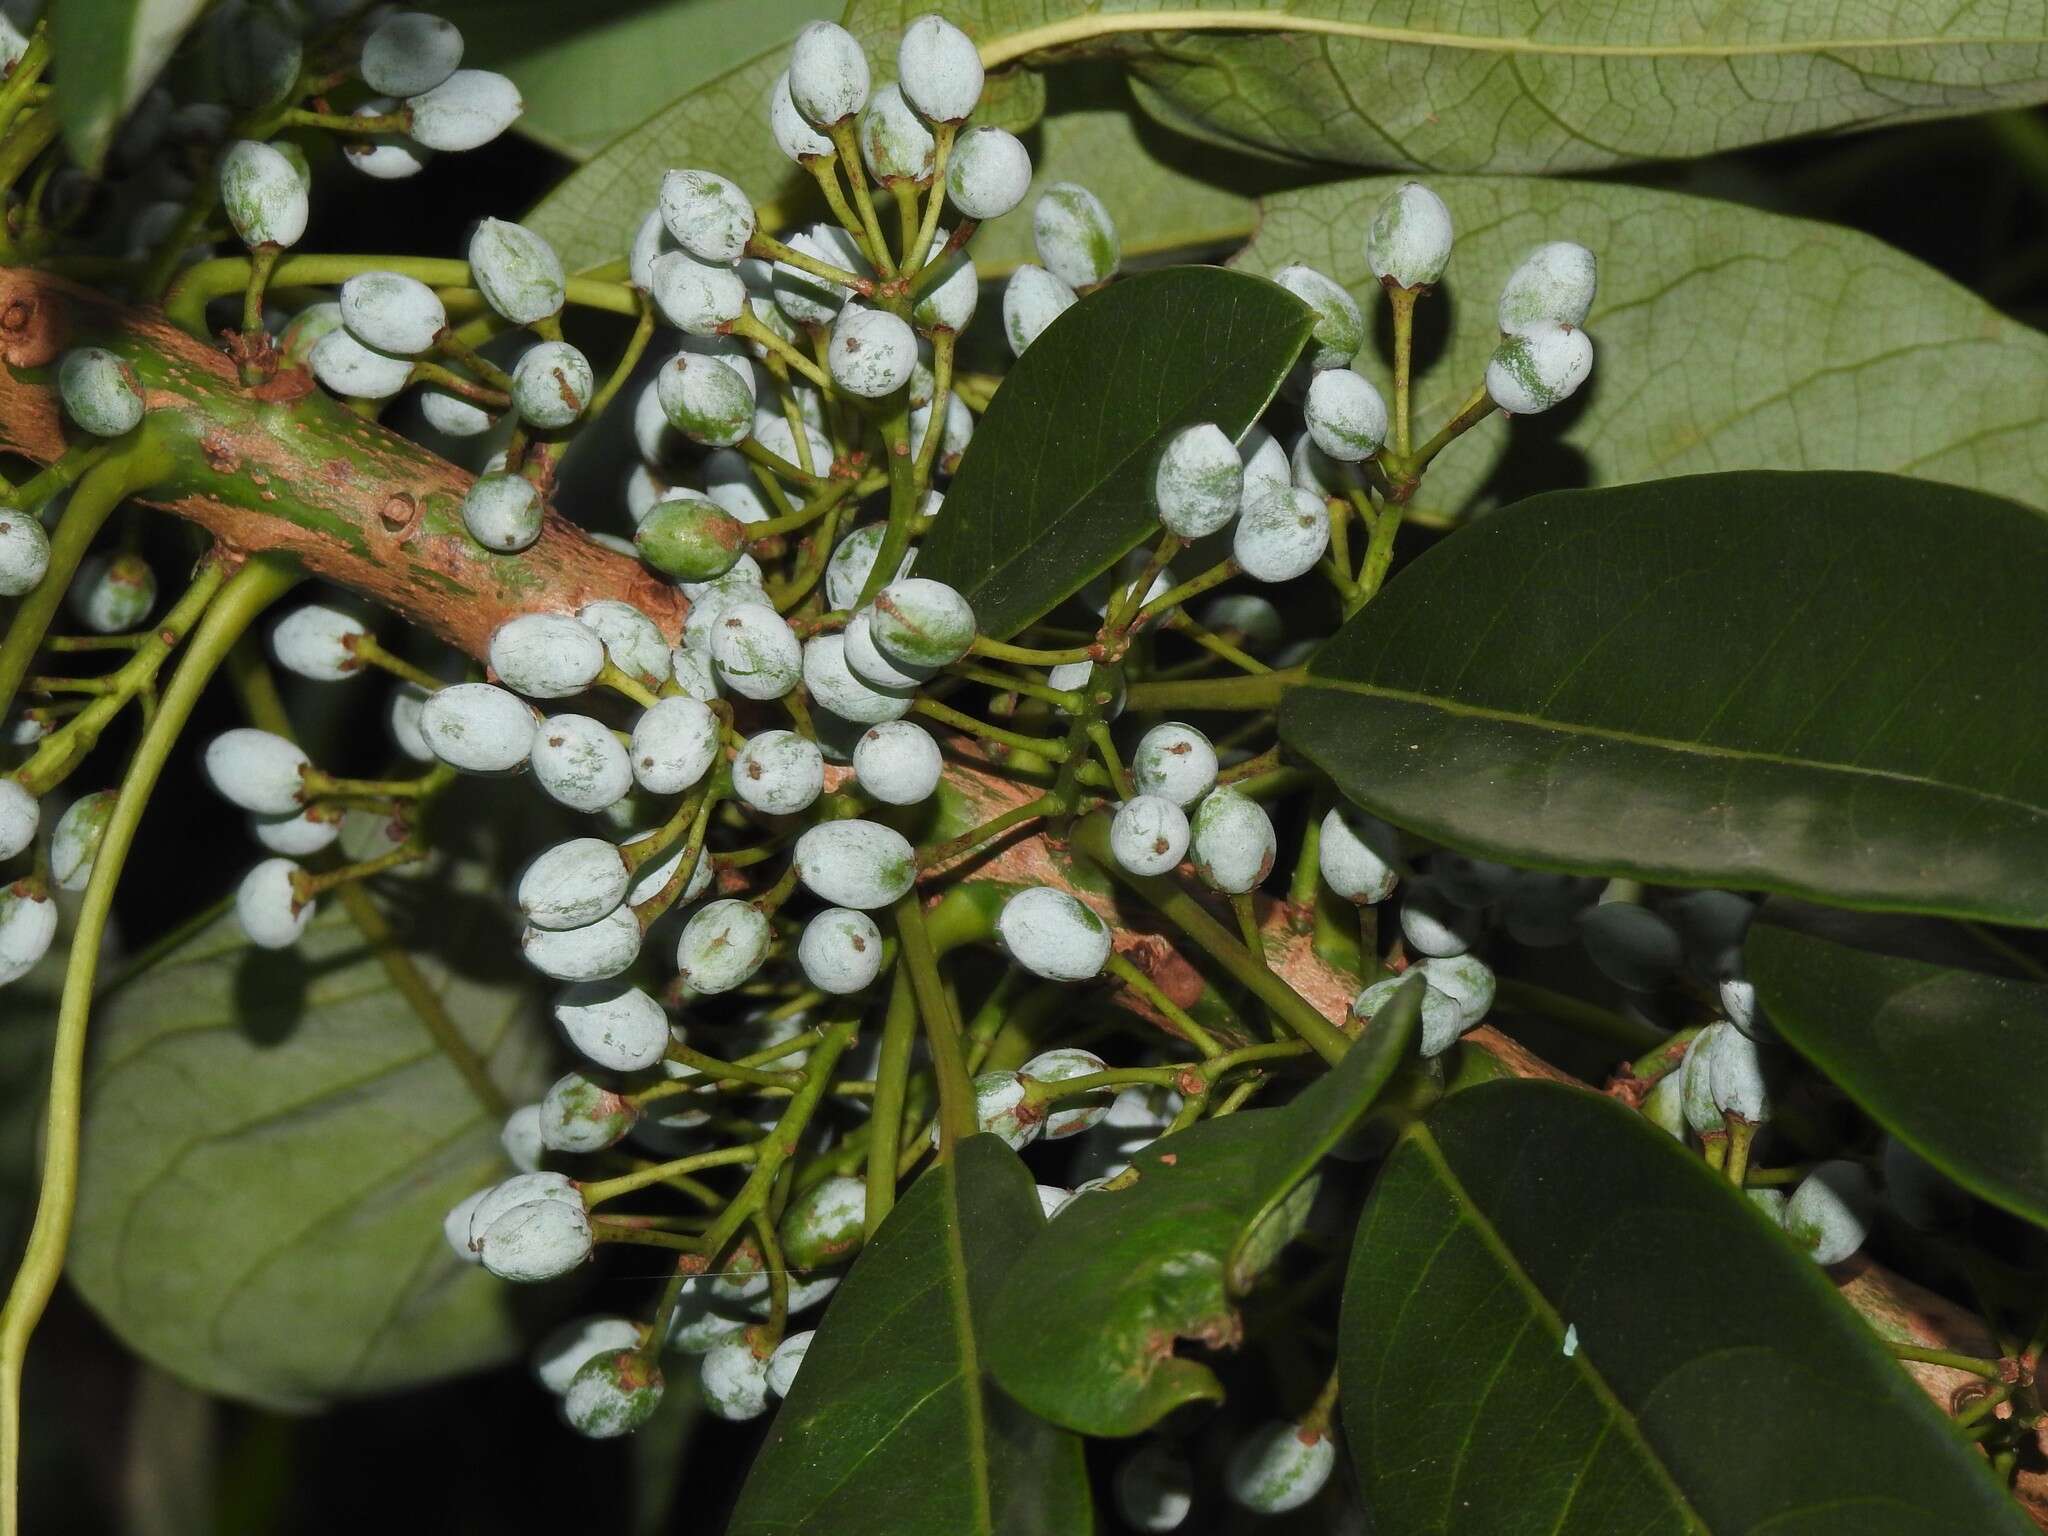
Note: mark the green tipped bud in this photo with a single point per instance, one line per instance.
(100, 392)
(466, 111)
(1233, 841)
(1199, 484)
(824, 1225)
(1536, 369)
(1340, 327)
(894, 140)
(1409, 241)
(688, 537)
(502, 511)
(988, 174)
(859, 864)
(1553, 286)
(263, 195)
(920, 623)
(552, 385)
(1345, 415)
(1054, 934)
(1075, 236)
(518, 272)
(709, 216)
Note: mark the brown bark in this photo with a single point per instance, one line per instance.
(285, 467)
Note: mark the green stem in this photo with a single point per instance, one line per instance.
(259, 583)
(1042, 746)
(903, 498)
(1260, 692)
(1403, 302)
(892, 1088)
(1147, 988)
(942, 1032)
(1975, 1365)
(847, 143)
(595, 1194)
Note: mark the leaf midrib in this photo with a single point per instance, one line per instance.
(1671, 744)
(1060, 34)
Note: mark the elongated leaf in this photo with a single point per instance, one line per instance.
(590, 72)
(892, 1426)
(1920, 1025)
(272, 1139)
(1528, 87)
(1057, 483)
(110, 52)
(1725, 339)
(1710, 1380)
(1084, 1329)
(1820, 684)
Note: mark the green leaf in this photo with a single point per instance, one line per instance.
(1057, 483)
(1917, 1023)
(592, 71)
(1716, 1382)
(1726, 338)
(1525, 88)
(271, 1140)
(891, 1426)
(1083, 1331)
(111, 51)
(1818, 684)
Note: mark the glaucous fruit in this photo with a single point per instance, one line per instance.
(1053, 934)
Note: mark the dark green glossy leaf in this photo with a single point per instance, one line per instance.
(1922, 1026)
(112, 51)
(1084, 1328)
(1057, 483)
(1716, 1384)
(271, 1140)
(1821, 684)
(891, 1427)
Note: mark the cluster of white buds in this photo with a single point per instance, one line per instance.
(1544, 354)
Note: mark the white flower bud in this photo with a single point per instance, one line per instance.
(1282, 535)
(1409, 240)
(1233, 841)
(674, 744)
(263, 195)
(696, 297)
(858, 864)
(466, 111)
(1278, 1467)
(392, 313)
(595, 952)
(384, 156)
(1432, 926)
(521, 1139)
(796, 138)
(561, 1354)
(112, 593)
(358, 372)
(1738, 1002)
(773, 433)
(828, 74)
(708, 216)
(948, 304)
(916, 622)
(872, 352)
(851, 563)
(1150, 835)
(1736, 1079)
(940, 69)
(756, 653)
(1345, 415)
(1696, 1095)
(735, 1380)
(1465, 979)
(552, 384)
(999, 1110)
(1553, 286)
(502, 512)
(894, 141)
(545, 655)
(304, 331)
(518, 272)
(633, 641)
(988, 173)
(536, 1241)
(1829, 1214)
(841, 951)
(1174, 761)
(1359, 856)
(1339, 326)
(301, 834)
(654, 876)
(410, 52)
(455, 1226)
(24, 553)
(613, 1393)
(408, 700)
(1155, 1489)
(833, 685)
(268, 908)
(1664, 1105)
(722, 945)
(521, 1189)
(256, 771)
(1199, 484)
(1079, 677)
(20, 814)
(787, 1359)
(1061, 1065)
(101, 394)
(1032, 300)
(1265, 465)
(1075, 236)
(578, 1115)
(28, 924)
(778, 773)
(618, 1027)
(572, 884)
(579, 763)
(897, 762)
(1538, 368)
(479, 728)
(1632, 946)
(1053, 934)
(956, 431)
(318, 642)
(866, 661)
